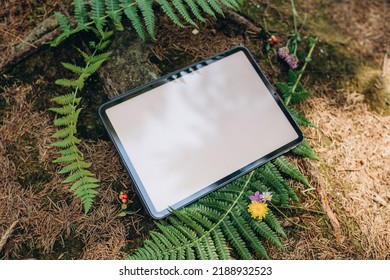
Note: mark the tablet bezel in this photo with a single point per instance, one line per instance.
(230, 177)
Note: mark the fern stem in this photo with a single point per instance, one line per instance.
(287, 218)
(307, 59)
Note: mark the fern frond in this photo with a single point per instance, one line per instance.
(235, 239)
(247, 233)
(300, 118)
(64, 132)
(132, 14)
(289, 169)
(68, 83)
(80, 12)
(274, 224)
(183, 11)
(305, 150)
(214, 4)
(63, 22)
(64, 110)
(78, 175)
(68, 119)
(206, 7)
(66, 99)
(148, 15)
(76, 165)
(232, 4)
(97, 11)
(68, 158)
(114, 13)
(67, 142)
(169, 11)
(195, 10)
(221, 246)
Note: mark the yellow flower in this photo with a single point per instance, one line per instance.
(258, 210)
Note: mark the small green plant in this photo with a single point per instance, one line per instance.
(95, 13)
(84, 182)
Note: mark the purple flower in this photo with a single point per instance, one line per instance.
(290, 58)
(292, 61)
(257, 196)
(283, 53)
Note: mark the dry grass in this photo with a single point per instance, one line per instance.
(17, 19)
(365, 23)
(345, 216)
(50, 222)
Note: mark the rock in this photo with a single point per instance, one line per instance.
(128, 67)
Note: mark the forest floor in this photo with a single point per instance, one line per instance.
(346, 213)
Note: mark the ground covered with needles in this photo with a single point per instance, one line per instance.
(346, 213)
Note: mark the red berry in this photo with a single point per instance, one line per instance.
(124, 200)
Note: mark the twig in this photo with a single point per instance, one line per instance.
(239, 19)
(20, 39)
(7, 234)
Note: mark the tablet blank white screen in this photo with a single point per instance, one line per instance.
(189, 133)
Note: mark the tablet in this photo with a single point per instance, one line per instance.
(197, 129)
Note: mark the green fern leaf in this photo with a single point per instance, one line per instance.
(64, 110)
(274, 224)
(220, 244)
(99, 58)
(63, 133)
(68, 83)
(214, 4)
(68, 158)
(84, 180)
(276, 174)
(74, 166)
(78, 175)
(148, 16)
(299, 118)
(114, 13)
(195, 10)
(66, 99)
(80, 12)
(206, 7)
(305, 150)
(98, 12)
(262, 229)
(235, 239)
(66, 142)
(183, 11)
(274, 183)
(63, 22)
(231, 4)
(131, 13)
(70, 151)
(67, 120)
(167, 8)
(74, 68)
(247, 233)
(96, 63)
(289, 169)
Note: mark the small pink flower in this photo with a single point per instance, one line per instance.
(257, 196)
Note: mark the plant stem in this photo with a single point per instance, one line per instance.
(307, 59)
(295, 15)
